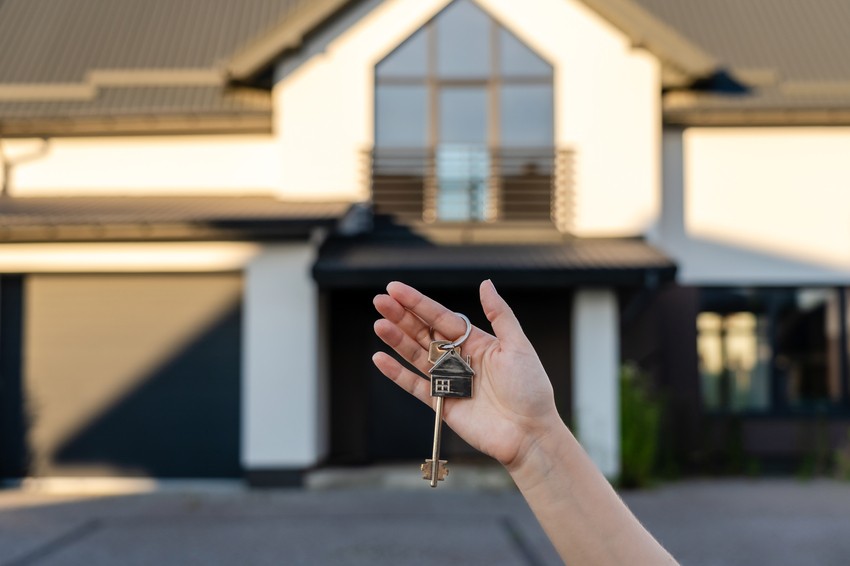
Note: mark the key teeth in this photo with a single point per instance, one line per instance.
(442, 469)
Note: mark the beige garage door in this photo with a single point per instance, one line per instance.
(132, 375)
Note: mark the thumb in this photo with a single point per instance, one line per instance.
(501, 317)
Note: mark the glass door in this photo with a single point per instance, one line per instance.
(462, 158)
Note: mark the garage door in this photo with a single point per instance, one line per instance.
(132, 375)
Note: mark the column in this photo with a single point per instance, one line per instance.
(283, 404)
(595, 376)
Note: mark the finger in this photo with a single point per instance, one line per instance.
(501, 317)
(403, 377)
(441, 319)
(408, 322)
(406, 346)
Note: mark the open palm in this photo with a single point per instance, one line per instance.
(513, 396)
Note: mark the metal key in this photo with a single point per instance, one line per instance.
(451, 376)
(435, 469)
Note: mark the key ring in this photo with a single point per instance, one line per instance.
(459, 341)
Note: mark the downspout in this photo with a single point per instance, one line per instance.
(7, 164)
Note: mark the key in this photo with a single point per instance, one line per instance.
(435, 353)
(451, 376)
(436, 469)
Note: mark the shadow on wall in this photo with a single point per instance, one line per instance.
(182, 419)
(706, 261)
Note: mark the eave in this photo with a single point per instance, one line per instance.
(264, 50)
(256, 123)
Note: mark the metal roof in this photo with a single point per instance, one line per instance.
(161, 218)
(88, 66)
(140, 102)
(791, 57)
(802, 41)
(59, 41)
(63, 62)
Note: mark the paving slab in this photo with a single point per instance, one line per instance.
(781, 522)
(344, 526)
(731, 522)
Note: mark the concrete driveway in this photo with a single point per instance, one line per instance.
(775, 522)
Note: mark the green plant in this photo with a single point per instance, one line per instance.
(640, 422)
(818, 458)
(842, 460)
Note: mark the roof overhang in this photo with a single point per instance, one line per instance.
(363, 263)
(682, 61)
(147, 125)
(290, 34)
(123, 219)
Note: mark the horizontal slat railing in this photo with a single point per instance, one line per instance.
(525, 184)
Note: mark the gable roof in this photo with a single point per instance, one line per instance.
(683, 60)
(89, 66)
(451, 361)
(288, 33)
(93, 66)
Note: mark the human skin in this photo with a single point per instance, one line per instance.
(513, 418)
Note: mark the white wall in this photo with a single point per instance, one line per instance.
(595, 376)
(130, 257)
(761, 206)
(143, 165)
(606, 109)
(283, 410)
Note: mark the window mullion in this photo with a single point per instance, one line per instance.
(429, 192)
(494, 179)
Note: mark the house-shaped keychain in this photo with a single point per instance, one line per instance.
(451, 376)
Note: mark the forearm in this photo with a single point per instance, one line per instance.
(581, 513)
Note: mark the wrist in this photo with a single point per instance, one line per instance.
(547, 445)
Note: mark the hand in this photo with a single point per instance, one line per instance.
(512, 417)
(513, 405)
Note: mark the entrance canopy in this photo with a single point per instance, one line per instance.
(376, 258)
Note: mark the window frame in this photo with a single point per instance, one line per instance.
(492, 84)
(779, 404)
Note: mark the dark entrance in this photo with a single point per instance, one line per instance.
(373, 420)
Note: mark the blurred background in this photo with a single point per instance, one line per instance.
(201, 197)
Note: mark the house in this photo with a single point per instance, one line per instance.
(451, 376)
(199, 201)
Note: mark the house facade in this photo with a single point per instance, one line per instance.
(193, 226)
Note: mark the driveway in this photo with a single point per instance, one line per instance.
(775, 522)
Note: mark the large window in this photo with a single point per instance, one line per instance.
(467, 106)
(774, 350)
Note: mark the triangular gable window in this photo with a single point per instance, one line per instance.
(463, 123)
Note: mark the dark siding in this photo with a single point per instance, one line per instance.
(12, 448)
(659, 334)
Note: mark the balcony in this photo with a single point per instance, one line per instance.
(466, 184)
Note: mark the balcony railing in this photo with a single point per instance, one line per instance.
(472, 184)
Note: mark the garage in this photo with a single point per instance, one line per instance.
(133, 375)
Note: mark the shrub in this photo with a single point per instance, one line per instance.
(842, 460)
(640, 422)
